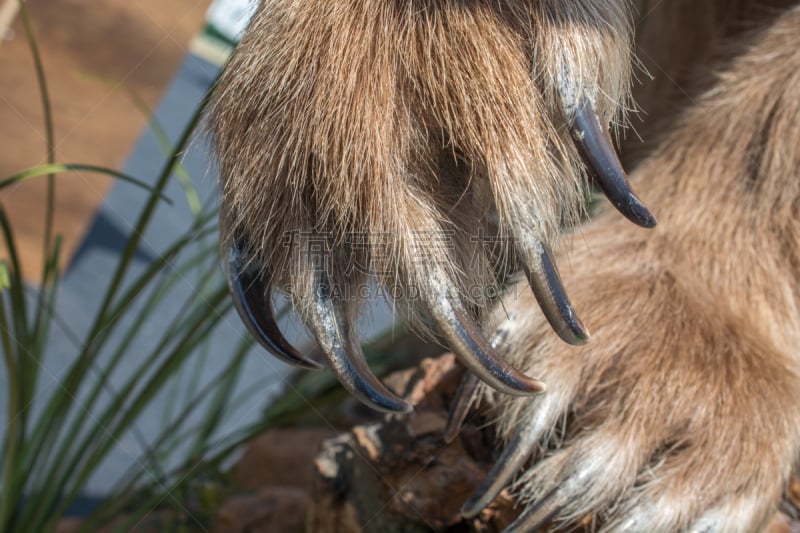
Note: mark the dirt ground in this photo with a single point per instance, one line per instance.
(133, 46)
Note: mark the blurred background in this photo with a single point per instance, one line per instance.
(130, 46)
(128, 383)
(129, 387)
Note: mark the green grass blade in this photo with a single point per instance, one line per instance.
(48, 128)
(19, 307)
(44, 170)
(160, 133)
(59, 402)
(10, 493)
(50, 423)
(130, 482)
(5, 277)
(120, 415)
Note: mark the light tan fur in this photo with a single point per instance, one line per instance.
(404, 121)
(687, 401)
(401, 120)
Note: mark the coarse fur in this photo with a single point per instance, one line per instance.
(409, 125)
(398, 121)
(685, 408)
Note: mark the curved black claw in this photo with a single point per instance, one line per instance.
(507, 466)
(252, 299)
(595, 144)
(468, 391)
(344, 354)
(543, 276)
(513, 458)
(461, 404)
(536, 515)
(470, 346)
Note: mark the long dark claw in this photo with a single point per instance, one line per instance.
(507, 466)
(512, 459)
(543, 276)
(253, 301)
(470, 346)
(595, 144)
(461, 404)
(536, 515)
(347, 361)
(468, 390)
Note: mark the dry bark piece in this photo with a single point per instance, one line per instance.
(398, 474)
(270, 509)
(280, 457)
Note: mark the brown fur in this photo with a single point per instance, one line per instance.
(687, 401)
(397, 121)
(400, 120)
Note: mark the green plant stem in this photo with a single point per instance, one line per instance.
(46, 434)
(59, 403)
(49, 275)
(42, 170)
(223, 381)
(144, 218)
(48, 128)
(160, 133)
(197, 329)
(47, 430)
(46, 465)
(11, 448)
(13, 346)
(104, 426)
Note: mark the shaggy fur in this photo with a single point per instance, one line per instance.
(373, 128)
(410, 125)
(684, 411)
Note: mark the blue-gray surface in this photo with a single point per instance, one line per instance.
(97, 257)
(92, 267)
(94, 263)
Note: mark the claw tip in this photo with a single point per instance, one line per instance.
(468, 510)
(528, 387)
(640, 214)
